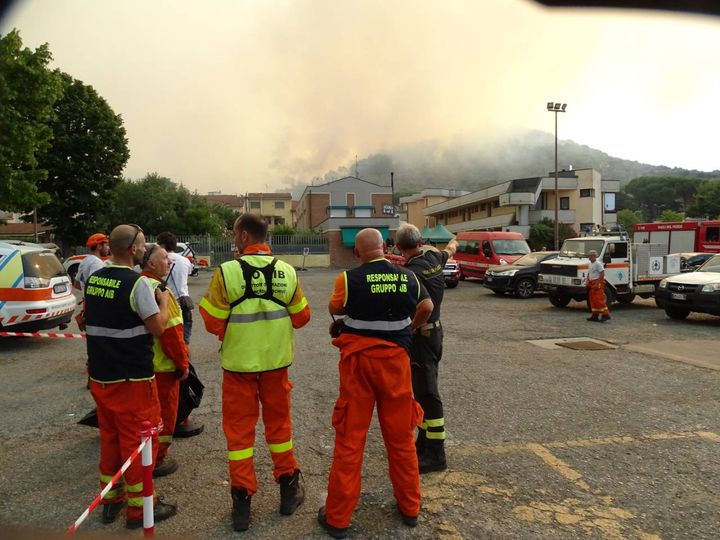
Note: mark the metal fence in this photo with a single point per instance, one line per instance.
(221, 248)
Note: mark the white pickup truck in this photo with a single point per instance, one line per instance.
(630, 269)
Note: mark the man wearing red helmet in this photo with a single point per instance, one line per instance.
(99, 249)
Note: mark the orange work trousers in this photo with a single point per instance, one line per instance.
(168, 386)
(242, 394)
(373, 371)
(121, 408)
(596, 295)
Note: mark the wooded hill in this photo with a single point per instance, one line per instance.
(467, 165)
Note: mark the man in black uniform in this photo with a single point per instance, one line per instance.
(427, 263)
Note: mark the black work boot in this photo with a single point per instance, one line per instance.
(434, 457)
(408, 521)
(165, 467)
(335, 532)
(111, 511)
(161, 512)
(292, 492)
(605, 318)
(241, 508)
(420, 442)
(593, 318)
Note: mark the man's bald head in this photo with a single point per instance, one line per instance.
(123, 239)
(369, 245)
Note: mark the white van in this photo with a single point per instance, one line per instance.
(35, 291)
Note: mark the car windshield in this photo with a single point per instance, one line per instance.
(41, 264)
(580, 248)
(711, 265)
(511, 247)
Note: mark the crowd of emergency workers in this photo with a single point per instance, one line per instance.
(138, 327)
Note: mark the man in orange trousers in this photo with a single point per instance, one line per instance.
(596, 289)
(170, 357)
(382, 304)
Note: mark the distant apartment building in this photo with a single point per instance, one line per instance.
(412, 206)
(341, 208)
(276, 208)
(584, 198)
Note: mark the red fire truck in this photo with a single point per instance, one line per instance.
(680, 236)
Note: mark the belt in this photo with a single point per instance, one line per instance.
(430, 325)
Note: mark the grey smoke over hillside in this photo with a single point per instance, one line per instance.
(468, 164)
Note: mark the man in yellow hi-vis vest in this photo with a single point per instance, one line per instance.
(252, 305)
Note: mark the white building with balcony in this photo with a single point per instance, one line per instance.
(584, 200)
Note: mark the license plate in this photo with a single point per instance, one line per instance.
(60, 288)
(678, 296)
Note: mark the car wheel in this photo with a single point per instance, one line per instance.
(451, 284)
(675, 312)
(609, 296)
(72, 272)
(625, 298)
(559, 300)
(525, 288)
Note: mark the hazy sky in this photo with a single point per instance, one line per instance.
(241, 95)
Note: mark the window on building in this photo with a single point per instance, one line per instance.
(483, 207)
(496, 203)
(280, 204)
(255, 205)
(587, 193)
(564, 203)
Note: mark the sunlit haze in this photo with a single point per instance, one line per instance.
(245, 96)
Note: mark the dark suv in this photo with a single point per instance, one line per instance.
(519, 277)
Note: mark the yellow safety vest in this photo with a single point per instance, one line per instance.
(163, 363)
(259, 335)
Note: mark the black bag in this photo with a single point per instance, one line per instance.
(191, 392)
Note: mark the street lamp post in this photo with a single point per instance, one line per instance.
(556, 108)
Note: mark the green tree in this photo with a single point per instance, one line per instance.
(157, 204)
(627, 218)
(707, 201)
(671, 215)
(84, 163)
(284, 229)
(28, 90)
(653, 194)
(226, 215)
(542, 234)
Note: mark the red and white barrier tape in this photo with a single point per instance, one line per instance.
(148, 514)
(54, 335)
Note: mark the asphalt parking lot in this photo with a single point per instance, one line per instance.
(544, 441)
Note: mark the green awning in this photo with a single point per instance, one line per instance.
(425, 232)
(348, 234)
(440, 234)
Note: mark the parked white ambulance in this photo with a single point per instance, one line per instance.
(35, 291)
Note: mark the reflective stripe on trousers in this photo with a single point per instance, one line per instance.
(241, 396)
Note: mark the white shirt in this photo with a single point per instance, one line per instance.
(178, 279)
(88, 266)
(595, 269)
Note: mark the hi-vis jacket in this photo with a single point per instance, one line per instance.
(255, 323)
(170, 352)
